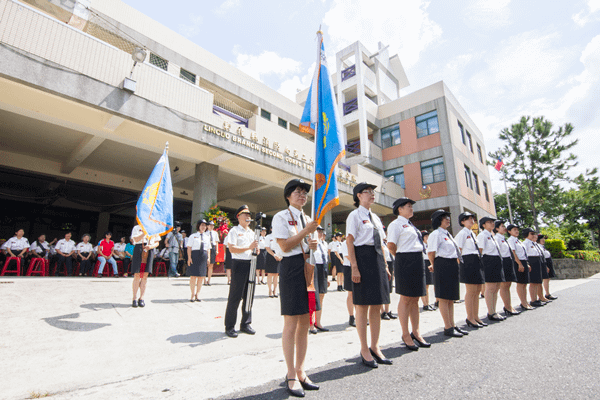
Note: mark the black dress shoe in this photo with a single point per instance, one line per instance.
(472, 325)
(141, 303)
(352, 321)
(460, 330)
(508, 312)
(134, 304)
(411, 347)
(392, 316)
(496, 317)
(370, 364)
(231, 333)
(452, 333)
(380, 360)
(313, 331)
(418, 342)
(320, 328)
(528, 308)
(293, 392)
(247, 329)
(481, 324)
(551, 297)
(385, 316)
(308, 385)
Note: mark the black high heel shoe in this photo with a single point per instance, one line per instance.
(472, 325)
(481, 323)
(293, 392)
(370, 364)
(418, 342)
(495, 317)
(380, 360)
(308, 385)
(412, 347)
(507, 312)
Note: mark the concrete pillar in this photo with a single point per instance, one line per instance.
(103, 220)
(205, 189)
(455, 210)
(328, 225)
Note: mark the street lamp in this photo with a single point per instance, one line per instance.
(138, 55)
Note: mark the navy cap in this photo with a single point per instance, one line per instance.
(438, 214)
(484, 220)
(359, 188)
(424, 233)
(320, 228)
(293, 184)
(242, 210)
(525, 232)
(211, 222)
(510, 227)
(401, 202)
(498, 222)
(463, 216)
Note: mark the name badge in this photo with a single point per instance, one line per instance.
(292, 223)
(366, 221)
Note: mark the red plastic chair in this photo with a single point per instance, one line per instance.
(6, 264)
(161, 268)
(107, 269)
(37, 266)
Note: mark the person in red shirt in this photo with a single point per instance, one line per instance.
(106, 253)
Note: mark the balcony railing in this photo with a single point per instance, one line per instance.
(348, 72)
(353, 147)
(350, 106)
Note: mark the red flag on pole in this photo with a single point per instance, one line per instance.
(499, 164)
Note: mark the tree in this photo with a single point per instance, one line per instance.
(584, 201)
(537, 163)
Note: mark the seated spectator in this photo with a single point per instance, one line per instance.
(85, 251)
(128, 256)
(163, 255)
(17, 246)
(65, 248)
(40, 248)
(2, 251)
(120, 250)
(106, 252)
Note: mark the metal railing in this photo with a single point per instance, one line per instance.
(350, 106)
(348, 72)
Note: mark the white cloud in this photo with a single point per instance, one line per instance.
(404, 25)
(488, 14)
(193, 28)
(227, 6)
(265, 64)
(585, 16)
(290, 86)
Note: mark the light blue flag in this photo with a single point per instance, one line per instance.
(155, 205)
(320, 118)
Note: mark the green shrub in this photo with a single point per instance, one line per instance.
(568, 256)
(556, 247)
(583, 255)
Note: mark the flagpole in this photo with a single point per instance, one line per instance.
(167, 147)
(507, 198)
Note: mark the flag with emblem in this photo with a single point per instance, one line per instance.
(320, 118)
(154, 209)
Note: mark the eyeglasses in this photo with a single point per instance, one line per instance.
(300, 192)
(368, 191)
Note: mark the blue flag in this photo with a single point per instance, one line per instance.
(320, 118)
(155, 205)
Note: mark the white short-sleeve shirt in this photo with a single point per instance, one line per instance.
(85, 247)
(321, 252)
(271, 243)
(66, 247)
(196, 240)
(120, 247)
(465, 239)
(240, 237)
(262, 243)
(531, 248)
(503, 245)
(286, 224)
(15, 244)
(516, 245)
(404, 236)
(359, 225)
(546, 252)
(135, 232)
(35, 246)
(214, 237)
(487, 244)
(440, 243)
(344, 253)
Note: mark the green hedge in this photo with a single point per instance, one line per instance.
(583, 255)
(556, 247)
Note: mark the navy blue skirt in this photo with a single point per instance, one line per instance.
(550, 265)
(373, 288)
(509, 269)
(471, 270)
(410, 274)
(535, 275)
(445, 279)
(522, 277)
(428, 273)
(493, 271)
(293, 295)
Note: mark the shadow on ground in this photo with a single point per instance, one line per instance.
(195, 339)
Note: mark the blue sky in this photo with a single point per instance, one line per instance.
(501, 58)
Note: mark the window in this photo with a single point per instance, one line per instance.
(158, 61)
(282, 122)
(476, 181)
(187, 75)
(427, 124)
(398, 174)
(390, 136)
(468, 177)
(479, 153)
(485, 191)
(265, 114)
(470, 141)
(433, 171)
(462, 133)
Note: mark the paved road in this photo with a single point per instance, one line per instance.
(549, 353)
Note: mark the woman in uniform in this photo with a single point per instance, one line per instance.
(444, 257)
(492, 264)
(320, 277)
(471, 269)
(40, 249)
(65, 249)
(428, 276)
(550, 267)
(291, 228)
(199, 245)
(347, 280)
(507, 267)
(228, 259)
(370, 275)
(214, 246)
(386, 314)
(535, 262)
(84, 252)
(337, 261)
(405, 241)
(141, 262)
(522, 267)
(272, 263)
(261, 259)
